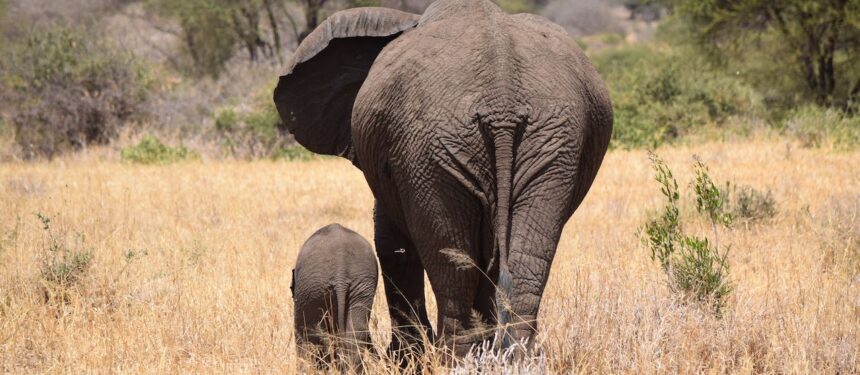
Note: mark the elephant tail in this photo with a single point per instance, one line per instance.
(341, 313)
(502, 133)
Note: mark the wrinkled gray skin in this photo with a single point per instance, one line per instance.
(334, 283)
(477, 131)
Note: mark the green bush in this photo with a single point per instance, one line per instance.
(815, 42)
(696, 267)
(254, 130)
(294, 153)
(753, 205)
(516, 6)
(208, 32)
(151, 150)
(226, 120)
(710, 200)
(660, 94)
(66, 89)
(62, 264)
(815, 126)
(214, 31)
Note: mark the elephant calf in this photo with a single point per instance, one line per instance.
(333, 286)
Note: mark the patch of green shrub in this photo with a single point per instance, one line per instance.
(816, 126)
(696, 267)
(710, 200)
(516, 6)
(62, 265)
(66, 89)
(752, 204)
(226, 120)
(264, 121)
(294, 153)
(660, 94)
(150, 150)
(254, 130)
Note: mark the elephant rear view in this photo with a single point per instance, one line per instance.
(479, 133)
(333, 286)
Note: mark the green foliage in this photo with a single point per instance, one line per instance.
(66, 268)
(818, 41)
(255, 129)
(515, 6)
(753, 205)
(660, 94)
(63, 264)
(226, 120)
(610, 39)
(208, 31)
(151, 150)
(696, 268)
(294, 153)
(65, 89)
(701, 271)
(264, 121)
(214, 31)
(815, 126)
(663, 232)
(710, 200)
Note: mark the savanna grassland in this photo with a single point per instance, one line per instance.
(111, 267)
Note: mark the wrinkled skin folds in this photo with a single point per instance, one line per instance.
(478, 132)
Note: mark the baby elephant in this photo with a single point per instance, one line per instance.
(333, 286)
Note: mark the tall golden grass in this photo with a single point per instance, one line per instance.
(191, 268)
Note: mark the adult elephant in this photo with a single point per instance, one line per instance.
(479, 134)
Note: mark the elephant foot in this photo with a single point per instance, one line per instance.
(519, 338)
(406, 349)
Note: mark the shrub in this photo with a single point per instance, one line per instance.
(255, 130)
(62, 265)
(816, 126)
(661, 93)
(226, 120)
(67, 89)
(753, 205)
(294, 153)
(151, 150)
(710, 200)
(516, 6)
(214, 31)
(696, 268)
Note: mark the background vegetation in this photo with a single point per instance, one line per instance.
(200, 72)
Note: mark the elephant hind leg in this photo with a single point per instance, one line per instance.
(403, 279)
(355, 339)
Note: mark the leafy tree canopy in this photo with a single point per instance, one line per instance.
(820, 38)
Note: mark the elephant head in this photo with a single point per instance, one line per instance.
(479, 134)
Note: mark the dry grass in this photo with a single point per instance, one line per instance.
(190, 269)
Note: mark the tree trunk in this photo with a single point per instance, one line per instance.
(276, 36)
(312, 9)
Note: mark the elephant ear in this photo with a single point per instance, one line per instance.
(316, 96)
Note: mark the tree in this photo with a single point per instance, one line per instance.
(212, 29)
(819, 34)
